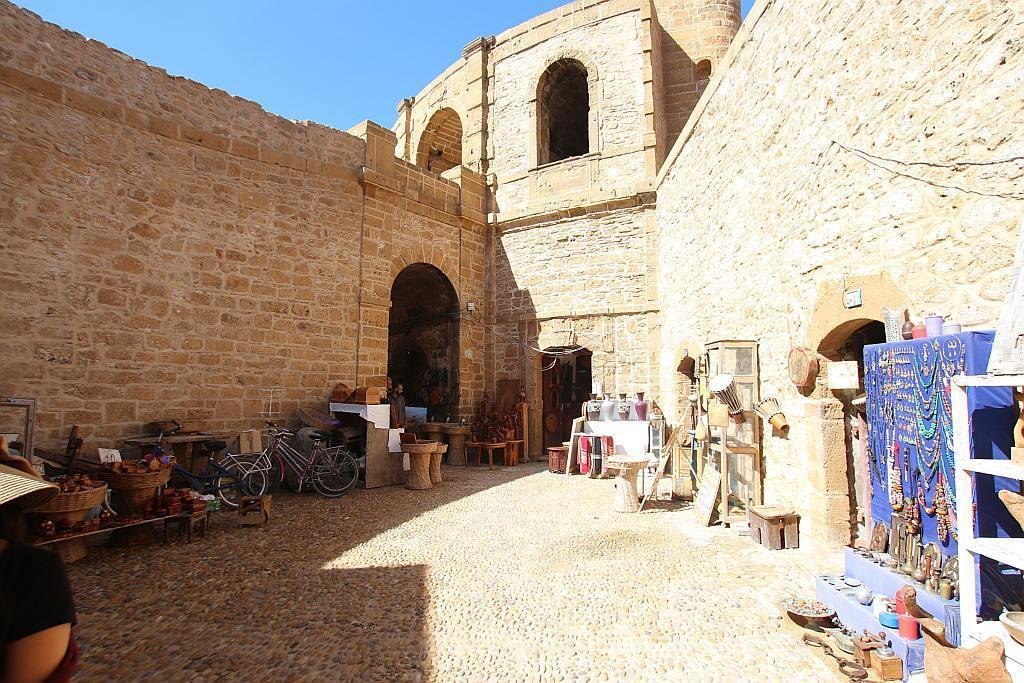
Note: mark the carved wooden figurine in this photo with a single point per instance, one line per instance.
(945, 663)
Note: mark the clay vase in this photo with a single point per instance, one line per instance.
(920, 332)
(907, 331)
(864, 595)
(593, 408)
(607, 408)
(641, 407)
(622, 409)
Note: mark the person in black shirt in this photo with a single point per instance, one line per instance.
(36, 609)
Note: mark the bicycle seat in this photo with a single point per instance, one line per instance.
(214, 446)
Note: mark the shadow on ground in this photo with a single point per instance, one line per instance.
(262, 603)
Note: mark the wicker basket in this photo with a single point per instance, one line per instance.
(71, 507)
(120, 481)
(419, 464)
(435, 462)
(135, 491)
(317, 419)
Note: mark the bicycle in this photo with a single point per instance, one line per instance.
(229, 483)
(330, 471)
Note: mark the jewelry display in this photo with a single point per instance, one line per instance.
(911, 429)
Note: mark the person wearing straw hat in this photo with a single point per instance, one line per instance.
(36, 609)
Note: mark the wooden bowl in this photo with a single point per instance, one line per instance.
(1013, 622)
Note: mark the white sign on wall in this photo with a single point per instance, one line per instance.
(110, 455)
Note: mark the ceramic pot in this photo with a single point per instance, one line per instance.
(641, 407)
(907, 331)
(950, 327)
(919, 574)
(920, 332)
(593, 408)
(864, 595)
(607, 408)
(933, 325)
(909, 627)
(945, 589)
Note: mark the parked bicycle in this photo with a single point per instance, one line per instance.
(330, 471)
(230, 478)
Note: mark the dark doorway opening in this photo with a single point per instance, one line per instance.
(566, 383)
(846, 343)
(423, 340)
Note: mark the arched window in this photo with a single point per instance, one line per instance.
(702, 71)
(440, 147)
(563, 112)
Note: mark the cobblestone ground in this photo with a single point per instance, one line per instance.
(513, 574)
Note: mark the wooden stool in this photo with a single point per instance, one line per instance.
(192, 525)
(490, 448)
(470, 447)
(774, 527)
(512, 452)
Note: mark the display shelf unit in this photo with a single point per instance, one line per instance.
(735, 451)
(1009, 551)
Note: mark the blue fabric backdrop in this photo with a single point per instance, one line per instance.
(900, 410)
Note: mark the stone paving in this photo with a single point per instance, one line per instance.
(512, 574)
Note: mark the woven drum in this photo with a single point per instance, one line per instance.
(724, 389)
(419, 464)
(435, 462)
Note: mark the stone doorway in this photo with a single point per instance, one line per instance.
(566, 381)
(423, 339)
(846, 342)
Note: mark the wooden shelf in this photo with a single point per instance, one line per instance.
(989, 380)
(1006, 550)
(998, 468)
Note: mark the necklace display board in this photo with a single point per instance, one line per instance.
(910, 433)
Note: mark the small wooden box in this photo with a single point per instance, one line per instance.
(254, 510)
(887, 668)
(774, 527)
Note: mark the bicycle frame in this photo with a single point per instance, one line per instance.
(299, 464)
(204, 482)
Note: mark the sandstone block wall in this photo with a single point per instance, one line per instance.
(170, 250)
(764, 218)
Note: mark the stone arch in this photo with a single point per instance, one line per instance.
(703, 70)
(565, 107)
(423, 339)
(409, 254)
(440, 144)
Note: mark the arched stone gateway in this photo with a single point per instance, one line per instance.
(423, 339)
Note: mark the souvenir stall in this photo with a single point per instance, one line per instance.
(912, 491)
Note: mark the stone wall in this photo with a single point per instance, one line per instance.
(170, 250)
(803, 173)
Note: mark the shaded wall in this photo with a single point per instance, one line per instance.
(169, 250)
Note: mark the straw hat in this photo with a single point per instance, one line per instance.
(19, 484)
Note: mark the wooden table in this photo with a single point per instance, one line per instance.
(182, 445)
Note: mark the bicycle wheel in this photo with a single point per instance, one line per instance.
(335, 474)
(229, 490)
(256, 483)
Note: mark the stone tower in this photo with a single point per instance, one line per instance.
(694, 36)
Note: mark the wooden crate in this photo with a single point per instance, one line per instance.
(774, 527)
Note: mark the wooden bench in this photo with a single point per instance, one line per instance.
(773, 526)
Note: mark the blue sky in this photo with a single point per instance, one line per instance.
(336, 62)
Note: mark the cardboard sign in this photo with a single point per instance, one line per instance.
(110, 455)
(843, 375)
(710, 488)
(1008, 346)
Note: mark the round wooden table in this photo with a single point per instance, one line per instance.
(627, 498)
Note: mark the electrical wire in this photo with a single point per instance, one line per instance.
(876, 161)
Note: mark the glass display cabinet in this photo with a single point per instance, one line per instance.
(735, 450)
